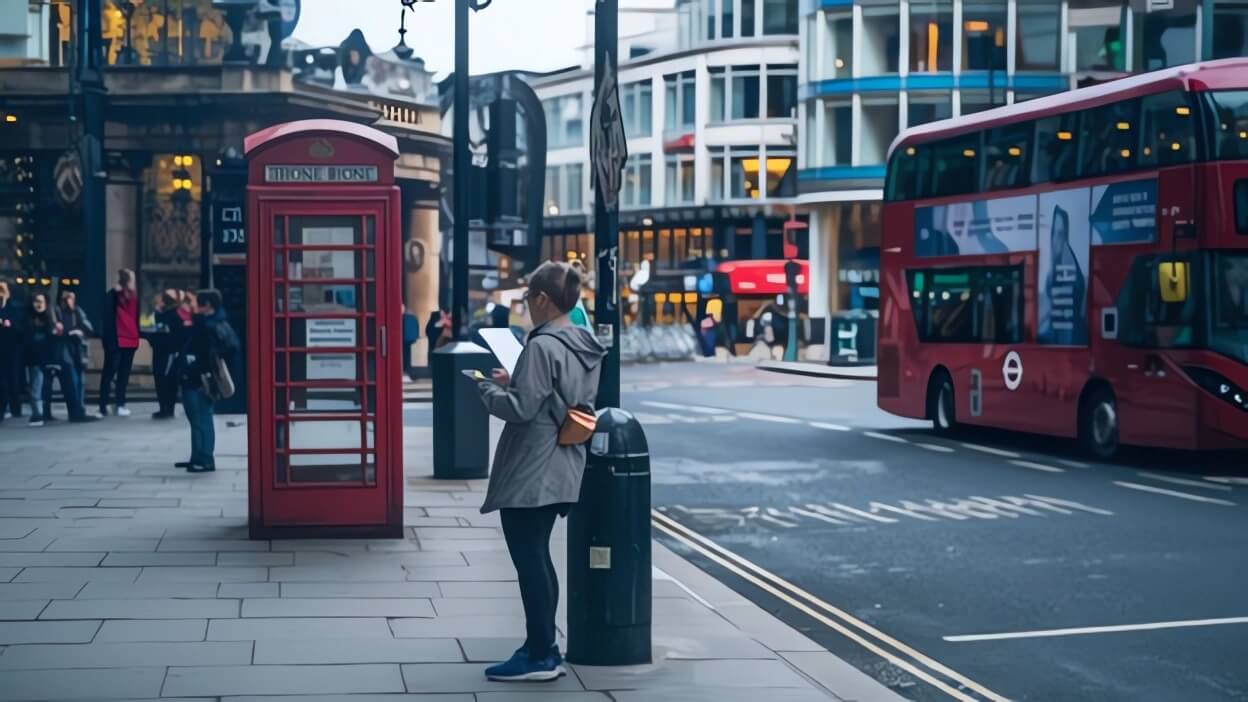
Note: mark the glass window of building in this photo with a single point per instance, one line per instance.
(782, 91)
(726, 18)
(681, 103)
(983, 35)
(1230, 29)
(719, 93)
(1037, 36)
(745, 177)
(709, 11)
(979, 100)
(924, 109)
(747, 17)
(838, 53)
(637, 181)
(552, 190)
(781, 172)
(880, 38)
(638, 108)
(719, 167)
(1096, 34)
(574, 187)
(679, 177)
(779, 16)
(931, 36)
(564, 121)
(879, 127)
(745, 92)
(840, 134)
(1165, 38)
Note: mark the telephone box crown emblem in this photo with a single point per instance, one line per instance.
(321, 148)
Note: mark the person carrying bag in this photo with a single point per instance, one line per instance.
(540, 460)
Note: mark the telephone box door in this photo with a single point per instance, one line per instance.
(334, 407)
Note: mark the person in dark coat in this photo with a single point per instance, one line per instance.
(168, 337)
(12, 370)
(46, 352)
(211, 339)
(77, 329)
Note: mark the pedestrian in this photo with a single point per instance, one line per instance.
(46, 353)
(411, 332)
(11, 366)
(120, 335)
(77, 329)
(535, 477)
(211, 340)
(438, 331)
(166, 339)
(579, 315)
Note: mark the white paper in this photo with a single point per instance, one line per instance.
(504, 346)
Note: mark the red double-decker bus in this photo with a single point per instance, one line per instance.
(1076, 265)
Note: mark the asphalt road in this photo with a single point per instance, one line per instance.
(990, 567)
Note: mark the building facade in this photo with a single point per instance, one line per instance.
(708, 90)
(872, 68)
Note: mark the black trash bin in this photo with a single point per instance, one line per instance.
(609, 576)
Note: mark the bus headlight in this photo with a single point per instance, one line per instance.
(1219, 386)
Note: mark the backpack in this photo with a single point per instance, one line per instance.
(217, 382)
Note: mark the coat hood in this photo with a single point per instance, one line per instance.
(578, 340)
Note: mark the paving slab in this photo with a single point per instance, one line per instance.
(47, 632)
(150, 630)
(207, 574)
(77, 575)
(15, 610)
(125, 655)
(470, 677)
(89, 684)
(125, 558)
(141, 609)
(467, 606)
(359, 698)
(488, 650)
(248, 590)
(24, 560)
(337, 607)
(483, 626)
(361, 590)
(843, 679)
(693, 674)
(713, 694)
(283, 680)
(344, 650)
(146, 591)
(310, 628)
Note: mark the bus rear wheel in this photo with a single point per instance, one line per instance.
(940, 404)
(1098, 424)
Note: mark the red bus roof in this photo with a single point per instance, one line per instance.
(1223, 74)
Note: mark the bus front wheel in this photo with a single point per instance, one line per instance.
(940, 404)
(1098, 424)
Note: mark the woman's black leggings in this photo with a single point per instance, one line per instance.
(527, 531)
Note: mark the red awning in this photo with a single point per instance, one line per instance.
(763, 277)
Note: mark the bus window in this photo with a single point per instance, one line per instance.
(1241, 206)
(1007, 154)
(1000, 299)
(1168, 125)
(902, 170)
(1112, 139)
(1146, 318)
(1057, 147)
(954, 166)
(981, 304)
(1230, 123)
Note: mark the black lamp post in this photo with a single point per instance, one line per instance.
(127, 56)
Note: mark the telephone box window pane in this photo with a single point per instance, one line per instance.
(325, 436)
(310, 264)
(279, 402)
(323, 333)
(329, 468)
(372, 368)
(325, 231)
(324, 366)
(279, 231)
(279, 298)
(370, 230)
(370, 293)
(279, 333)
(372, 400)
(370, 265)
(279, 367)
(370, 435)
(371, 333)
(313, 297)
(325, 400)
(370, 469)
(279, 265)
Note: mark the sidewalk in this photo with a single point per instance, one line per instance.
(124, 578)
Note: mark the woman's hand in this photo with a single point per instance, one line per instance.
(500, 376)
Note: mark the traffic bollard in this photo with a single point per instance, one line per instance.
(609, 577)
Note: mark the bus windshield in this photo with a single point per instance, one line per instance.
(1228, 328)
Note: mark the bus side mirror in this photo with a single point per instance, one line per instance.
(1172, 279)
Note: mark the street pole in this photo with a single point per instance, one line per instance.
(461, 426)
(87, 74)
(606, 213)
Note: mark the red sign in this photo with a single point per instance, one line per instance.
(763, 277)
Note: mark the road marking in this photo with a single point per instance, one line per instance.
(1038, 466)
(1182, 481)
(652, 418)
(1081, 631)
(935, 447)
(1227, 481)
(991, 450)
(886, 437)
(829, 427)
(1073, 464)
(768, 418)
(807, 604)
(1174, 493)
(684, 408)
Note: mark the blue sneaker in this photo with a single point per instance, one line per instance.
(520, 668)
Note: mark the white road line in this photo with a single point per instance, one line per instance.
(1182, 481)
(1038, 466)
(1080, 631)
(1174, 493)
(1073, 464)
(768, 418)
(829, 427)
(663, 405)
(935, 447)
(991, 450)
(886, 437)
(1226, 481)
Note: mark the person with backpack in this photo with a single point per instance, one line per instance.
(209, 353)
(540, 460)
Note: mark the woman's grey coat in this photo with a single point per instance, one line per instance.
(530, 468)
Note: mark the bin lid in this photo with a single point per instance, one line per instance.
(618, 435)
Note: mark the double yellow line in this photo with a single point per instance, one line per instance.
(899, 654)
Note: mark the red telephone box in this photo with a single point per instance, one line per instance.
(325, 431)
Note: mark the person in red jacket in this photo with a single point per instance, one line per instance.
(120, 334)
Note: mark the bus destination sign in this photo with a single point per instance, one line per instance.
(320, 174)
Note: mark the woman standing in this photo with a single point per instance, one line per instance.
(37, 352)
(534, 478)
(77, 328)
(166, 341)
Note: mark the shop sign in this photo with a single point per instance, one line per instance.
(320, 174)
